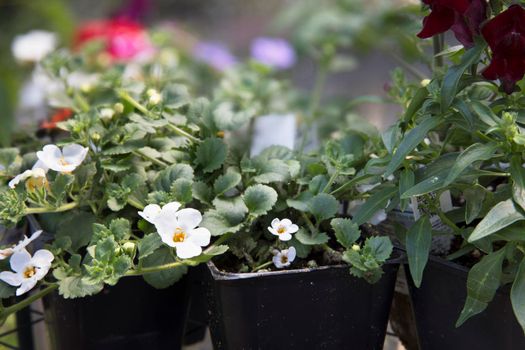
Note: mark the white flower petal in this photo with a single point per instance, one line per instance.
(277, 261)
(150, 212)
(42, 258)
(293, 228)
(275, 223)
(40, 165)
(6, 253)
(273, 231)
(189, 218)
(19, 260)
(171, 208)
(26, 285)
(285, 236)
(169, 213)
(286, 222)
(34, 45)
(291, 254)
(26, 241)
(11, 278)
(166, 229)
(200, 236)
(50, 156)
(74, 154)
(20, 177)
(188, 249)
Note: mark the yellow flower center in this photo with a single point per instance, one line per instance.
(29, 271)
(281, 230)
(63, 162)
(179, 235)
(284, 259)
(35, 183)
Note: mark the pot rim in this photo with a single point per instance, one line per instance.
(223, 275)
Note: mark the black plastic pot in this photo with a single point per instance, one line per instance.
(129, 315)
(438, 303)
(322, 308)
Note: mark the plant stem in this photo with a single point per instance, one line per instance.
(59, 209)
(134, 203)
(331, 181)
(437, 40)
(124, 95)
(309, 222)
(146, 270)
(262, 266)
(145, 156)
(27, 301)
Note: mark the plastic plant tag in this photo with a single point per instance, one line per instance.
(273, 129)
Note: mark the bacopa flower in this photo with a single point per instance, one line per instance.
(28, 270)
(178, 228)
(273, 52)
(38, 175)
(214, 54)
(464, 17)
(60, 115)
(33, 46)
(7, 252)
(283, 229)
(284, 257)
(65, 160)
(123, 39)
(505, 35)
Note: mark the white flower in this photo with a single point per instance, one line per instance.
(283, 229)
(33, 46)
(27, 270)
(284, 257)
(64, 161)
(178, 228)
(154, 96)
(7, 252)
(107, 113)
(36, 173)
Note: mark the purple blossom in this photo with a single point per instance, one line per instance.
(273, 52)
(215, 54)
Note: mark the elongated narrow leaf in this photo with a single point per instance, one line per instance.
(451, 80)
(375, 203)
(428, 185)
(517, 171)
(415, 104)
(517, 295)
(482, 283)
(473, 153)
(484, 113)
(406, 181)
(500, 216)
(474, 197)
(418, 242)
(410, 141)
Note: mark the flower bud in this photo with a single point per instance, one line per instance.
(107, 113)
(129, 248)
(425, 82)
(118, 108)
(95, 136)
(356, 248)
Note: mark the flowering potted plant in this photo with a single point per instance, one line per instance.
(459, 167)
(293, 244)
(128, 148)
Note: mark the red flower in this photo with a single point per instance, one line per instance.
(59, 116)
(464, 17)
(505, 35)
(123, 38)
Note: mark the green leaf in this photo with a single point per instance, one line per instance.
(78, 287)
(308, 239)
(517, 171)
(473, 153)
(233, 209)
(449, 88)
(218, 224)
(60, 187)
(211, 154)
(406, 181)
(6, 290)
(78, 227)
(166, 278)
(208, 254)
(120, 228)
(418, 242)
(430, 184)
(482, 283)
(517, 294)
(202, 192)
(323, 206)
(148, 244)
(500, 216)
(415, 103)
(410, 141)
(484, 113)
(346, 232)
(375, 203)
(226, 182)
(181, 190)
(380, 247)
(259, 199)
(474, 197)
(166, 177)
(300, 202)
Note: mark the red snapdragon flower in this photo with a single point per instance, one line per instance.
(464, 17)
(123, 39)
(505, 35)
(59, 116)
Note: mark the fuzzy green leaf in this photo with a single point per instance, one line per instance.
(211, 154)
(259, 199)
